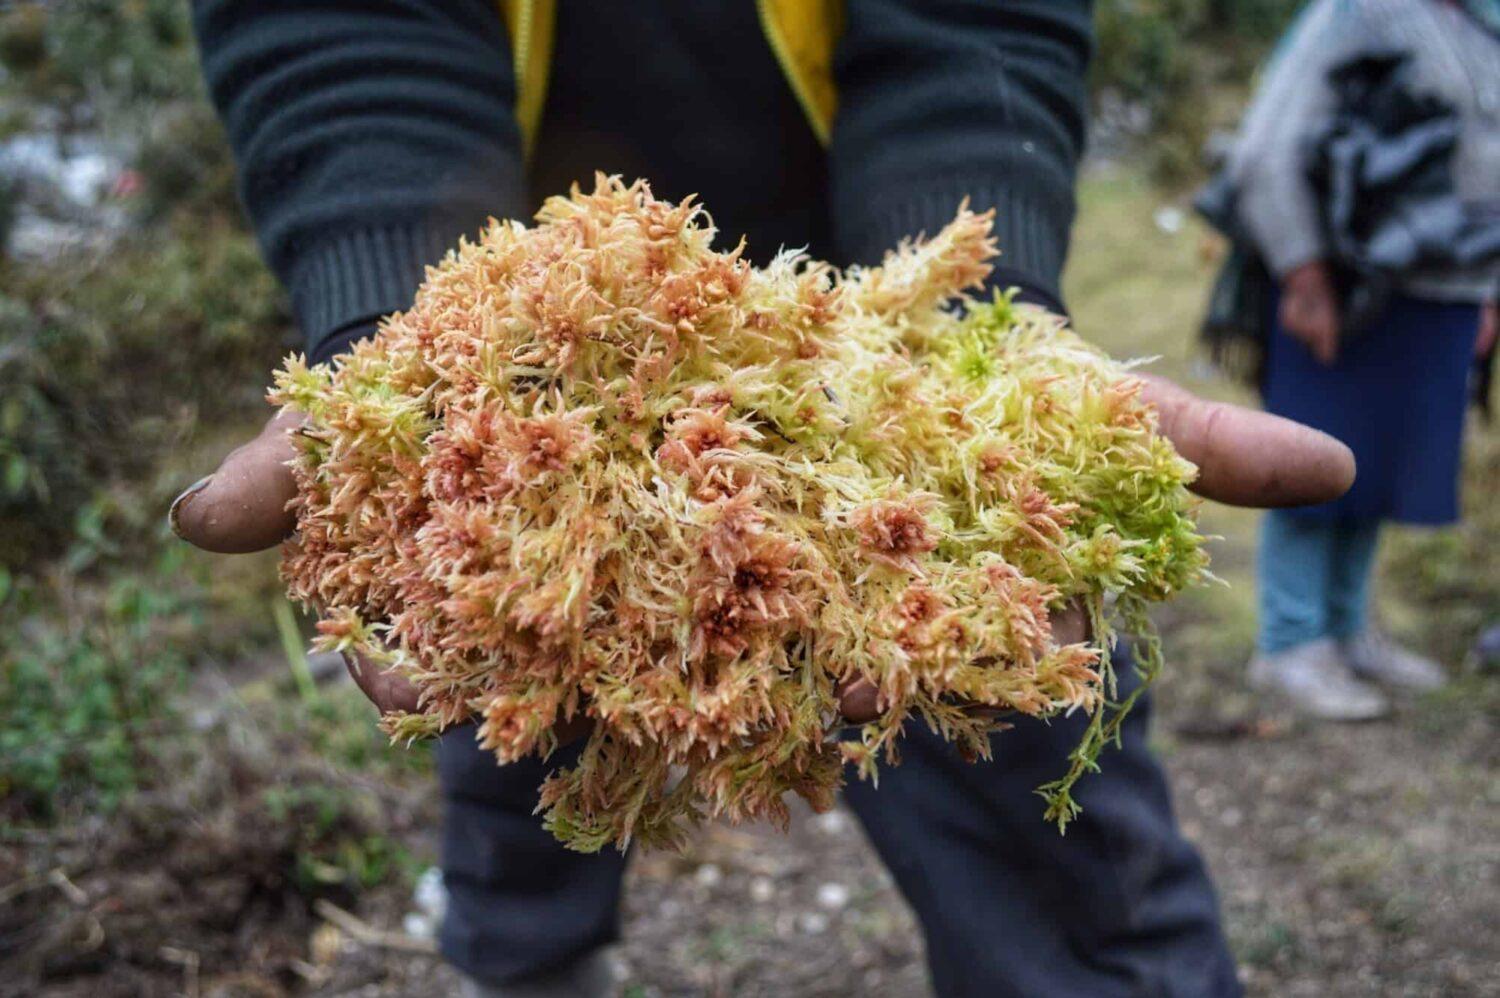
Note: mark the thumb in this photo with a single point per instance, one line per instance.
(242, 506)
(1249, 458)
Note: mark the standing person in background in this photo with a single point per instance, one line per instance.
(1396, 392)
(370, 135)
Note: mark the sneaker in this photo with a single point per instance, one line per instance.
(591, 977)
(1314, 679)
(1372, 655)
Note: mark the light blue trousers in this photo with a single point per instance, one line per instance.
(1313, 578)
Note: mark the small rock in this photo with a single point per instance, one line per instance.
(620, 970)
(709, 875)
(326, 942)
(831, 823)
(418, 926)
(1487, 649)
(833, 895)
(762, 890)
(812, 923)
(431, 894)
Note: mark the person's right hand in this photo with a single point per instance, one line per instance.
(243, 507)
(1244, 458)
(1310, 309)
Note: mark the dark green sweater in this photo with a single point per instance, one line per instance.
(370, 134)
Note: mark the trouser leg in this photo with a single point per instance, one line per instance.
(1355, 543)
(1120, 905)
(1293, 573)
(519, 904)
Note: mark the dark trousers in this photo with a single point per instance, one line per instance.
(1120, 905)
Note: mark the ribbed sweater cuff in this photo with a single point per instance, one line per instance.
(357, 276)
(1032, 235)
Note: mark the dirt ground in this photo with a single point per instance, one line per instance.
(1350, 861)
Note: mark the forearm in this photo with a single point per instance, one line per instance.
(368, 137)
(979, 100)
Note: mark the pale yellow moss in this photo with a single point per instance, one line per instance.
(601, 469)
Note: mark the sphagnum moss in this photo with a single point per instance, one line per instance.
(600, 469)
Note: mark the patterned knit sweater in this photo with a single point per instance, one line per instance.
(1453, 58)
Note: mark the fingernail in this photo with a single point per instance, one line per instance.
(176, 508)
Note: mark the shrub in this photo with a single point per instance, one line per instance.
(101, 385)
(1168, 57)
(87, 695)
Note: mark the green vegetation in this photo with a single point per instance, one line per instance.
(127, 366)
(336, 842)
(110, 355)
(115, 359)
(1184, 65)
(84, 706)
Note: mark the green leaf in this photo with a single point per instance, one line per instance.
(15, 474)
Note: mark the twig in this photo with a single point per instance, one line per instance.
(188, 960)
(56, 878)
(363, 932)
(95, 938)
(75, 894)
(311, 973)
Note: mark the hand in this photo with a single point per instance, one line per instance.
(386, 690)
(1310, 310)
(1244, 458)
(1489, 329)
(242, 507)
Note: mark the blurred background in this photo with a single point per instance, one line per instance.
(189, 804)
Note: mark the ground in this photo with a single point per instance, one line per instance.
(1350, 860)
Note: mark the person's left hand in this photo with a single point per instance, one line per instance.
(388, 691)
(1244, 458)
(1310, 310)
(1489, 329)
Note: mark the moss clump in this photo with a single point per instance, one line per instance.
(600, 469)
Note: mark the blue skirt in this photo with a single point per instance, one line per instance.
(1397, 396)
